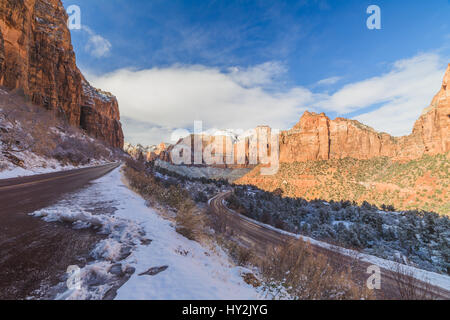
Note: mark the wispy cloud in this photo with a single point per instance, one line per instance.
(96, 45)
(397, 97)
(329, 81)
(175, 97)
(260, 75)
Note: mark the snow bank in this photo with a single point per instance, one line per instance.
(138, 238)
(39, 165)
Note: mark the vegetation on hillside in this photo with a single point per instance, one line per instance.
(422, 184)
(414, 237)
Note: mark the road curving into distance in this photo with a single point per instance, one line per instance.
(259, 237)
(34, 253)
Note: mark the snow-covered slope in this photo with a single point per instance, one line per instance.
(33, 141)
(194, 271)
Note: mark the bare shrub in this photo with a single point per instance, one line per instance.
(70, 150)
(410, 288)
(240, 254)
(136, 165)
(3, 166)
(189, 222)
(154, 190)
(217, 222)
(137, 180)
(189, 219)
(13, 136)
(296, 270)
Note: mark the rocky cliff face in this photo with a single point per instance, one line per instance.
(316, 137)
(364, 165)
(2, 53)
(100, 115)
(432, 130)
(223, 150)
(149, 153)
(36, 55)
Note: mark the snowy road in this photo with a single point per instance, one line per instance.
(35, 253)
(167, 265)
(125, 250)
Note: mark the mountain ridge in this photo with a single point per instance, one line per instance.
(316, 137)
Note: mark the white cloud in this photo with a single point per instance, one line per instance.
(263, 74)
(96, 45)
(401, 95)
(145, 132)
(412, 79)
(329, 81)
(163, 99)
(177, 96)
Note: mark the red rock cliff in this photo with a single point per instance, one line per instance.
(37, 56)
(432, 131)
(316, 137)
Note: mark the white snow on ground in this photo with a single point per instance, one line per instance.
(433, 278)
(38, 165)
(194, 272)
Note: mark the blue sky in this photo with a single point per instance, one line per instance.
(262, 61)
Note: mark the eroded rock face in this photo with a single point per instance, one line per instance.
(158, 152)
(148, 153)
(309, 139)
(37, 56)
(100, 115)
(229, 150)
(432, 129)
(316, 137)
(2, 53)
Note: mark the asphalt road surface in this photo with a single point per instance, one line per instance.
(34, 254)
(259, 238)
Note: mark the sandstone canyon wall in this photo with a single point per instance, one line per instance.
(316, 137)
(148, 153)
(245, 150)
(36, 55)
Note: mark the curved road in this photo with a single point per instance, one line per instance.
(34, 253)
(258, 237)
